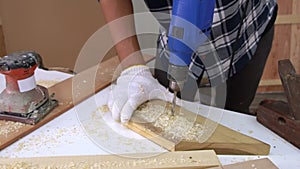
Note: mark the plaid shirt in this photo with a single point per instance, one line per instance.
(227, 51)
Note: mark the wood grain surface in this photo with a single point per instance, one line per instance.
(169, 160)
(222, 139)
(252, 164)
(2, 44)
(295, 37)
(286, 44)
(281, 43)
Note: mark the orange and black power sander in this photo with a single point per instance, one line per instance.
(23, 100)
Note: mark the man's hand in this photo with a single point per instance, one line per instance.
(135, 86)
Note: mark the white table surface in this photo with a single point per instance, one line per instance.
(87, 130)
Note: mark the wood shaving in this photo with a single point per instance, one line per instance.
(65, 103)
(41, 139)
(175, 128)
(9, 127)
(20, 165)
(46, 140)
(104, 108)
(108, 164)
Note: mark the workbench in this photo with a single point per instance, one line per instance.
(66, 136)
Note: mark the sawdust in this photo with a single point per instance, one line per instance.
(9, 127)
(104, 109)
(66, 103)
(175, 128)
(165, 162)
(99, 112)
(47, 140)
(112, 136)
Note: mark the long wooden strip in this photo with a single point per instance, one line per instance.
(223, 140)
(295, 36)
(2, 42)
(261, 163)
(273, 82)
(169, 160)
(288, 19)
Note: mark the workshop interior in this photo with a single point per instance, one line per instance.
(53, 99)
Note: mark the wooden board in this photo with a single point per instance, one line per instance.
(295, 37)
(288, 19)
(221, 139)
(281, 43)
(270, 85)
(285, 44)
(276, 116)
(2, 44)
(252, 164)
(178, 160)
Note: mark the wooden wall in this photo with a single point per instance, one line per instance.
(2, 44)
(56, 29)
(286, 44)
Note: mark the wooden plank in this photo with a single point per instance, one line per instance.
(271, 82)
(169, 160)
(286, 44)
(269, 89)
(269, 85)
(281, 43)
(275, 115)
(285, 7)
(221, 139)
(295, 38)
(2, 43)
(288, 19)
(252, 164)
(280, 50)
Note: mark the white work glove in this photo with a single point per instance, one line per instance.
(135, 86)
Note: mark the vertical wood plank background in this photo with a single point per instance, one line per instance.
(281, 43)
(295, 38)
(286, 44)
(2, 45)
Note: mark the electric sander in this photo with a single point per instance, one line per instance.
(22, 100)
